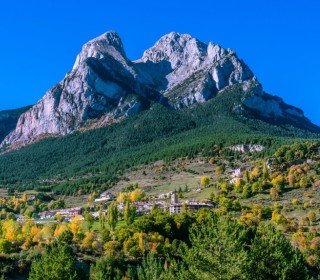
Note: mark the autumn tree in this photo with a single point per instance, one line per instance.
(11, 230)
(205, 181)
(137, 195)
(279, 181)
(275, 193)
(76, 227)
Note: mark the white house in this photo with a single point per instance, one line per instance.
(105, 196)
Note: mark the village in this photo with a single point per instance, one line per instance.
(170, 201)
(167, 202)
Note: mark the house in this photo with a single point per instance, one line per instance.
(96, 214)
(105, 196)
(31, 198)
(238, 173)
(47, 215)
(177, 208)
(70, 212)
(174, 198)
(165, 195)
(20, 218)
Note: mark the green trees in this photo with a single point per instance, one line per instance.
(272, 257)
(107, 268)
(217, 250)
(222, 248)
(112, 216)
(89, 220)
(159, 133)
(129, 213)
(57, 262)
(151, 268)
(5, 246)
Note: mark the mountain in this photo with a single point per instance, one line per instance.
(9, 119)
(179, 71)
(98, 157)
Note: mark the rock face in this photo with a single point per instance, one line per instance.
(104, 86)
(187, 71)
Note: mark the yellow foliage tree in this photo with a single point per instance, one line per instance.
(255, 173)
(238, 185)
(88, 240)
(46, 234)
(137, 195)
(123, 197)
(205, 181)
(76, 226)
(10, 230)
(60, 229)
(279, 181)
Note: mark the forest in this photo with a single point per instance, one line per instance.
(95, 157)
(276, 237)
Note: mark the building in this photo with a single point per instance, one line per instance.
(67, 213)
(20, 218)
(165, 195)
(70, 212)
(105, 196)
(47, 215)
(177, 208)
(174, 198)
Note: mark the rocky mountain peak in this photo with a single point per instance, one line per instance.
(177, 49)
(176, 58)
(108, 43)
(179, 71)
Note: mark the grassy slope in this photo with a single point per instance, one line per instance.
(158, 133)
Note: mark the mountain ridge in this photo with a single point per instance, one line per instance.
(179, 71)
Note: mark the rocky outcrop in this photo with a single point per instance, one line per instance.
(104, 86)
(187, 71)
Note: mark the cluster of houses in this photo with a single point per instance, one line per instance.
(68, 213)
(174, 206)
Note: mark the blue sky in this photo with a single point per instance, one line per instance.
(279, 40)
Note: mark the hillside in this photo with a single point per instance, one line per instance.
(9, 119)
(274, 202)
(98, 157)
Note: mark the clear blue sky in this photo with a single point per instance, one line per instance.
(279, 40)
